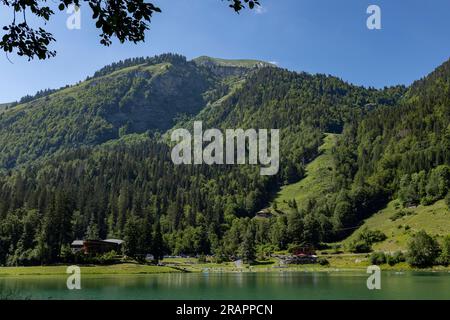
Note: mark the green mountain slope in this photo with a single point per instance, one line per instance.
(144, 96)
(243, 63)
(400, 153)
(301, 105)
(413, 136)
(317, 182)
(4, 106)
(399, 225)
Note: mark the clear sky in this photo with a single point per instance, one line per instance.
(317, 36)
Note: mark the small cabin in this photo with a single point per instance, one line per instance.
(265, 213)
(93, 247)
(76, 245)
(304, 251)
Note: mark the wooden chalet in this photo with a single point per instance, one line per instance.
(93, 247)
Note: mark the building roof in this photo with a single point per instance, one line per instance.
(77, 242)
(81, 242)
(116, 241)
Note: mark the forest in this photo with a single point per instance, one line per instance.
(92, 161)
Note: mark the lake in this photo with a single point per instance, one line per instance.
(275, 285)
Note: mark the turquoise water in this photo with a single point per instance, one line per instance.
(288, 285)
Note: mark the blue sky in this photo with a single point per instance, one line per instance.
(317, 36)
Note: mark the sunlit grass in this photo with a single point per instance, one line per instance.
(318, 178)
(127, 268)
(434, 219)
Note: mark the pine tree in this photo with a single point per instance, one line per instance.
(92, 232)
(158, 243)
(248, 248)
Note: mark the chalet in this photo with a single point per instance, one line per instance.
(77, 245)
(97, 246)
(305, 250)
(265, 213)
(304, 254)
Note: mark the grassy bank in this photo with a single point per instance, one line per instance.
(127, 268)
(338, 262)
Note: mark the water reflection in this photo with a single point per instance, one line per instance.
(282, 285)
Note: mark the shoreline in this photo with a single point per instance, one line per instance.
(139, 269)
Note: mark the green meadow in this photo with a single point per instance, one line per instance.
(317, 180)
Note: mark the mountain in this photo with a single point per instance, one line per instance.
(402, 154)
(227, 67)
(139, 95)
(94, 158)
(411, 137)
(238, 63)
(301, 105)
(4, 106)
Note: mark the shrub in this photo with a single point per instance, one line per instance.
(400, 214)
(377, 258)
(220, 256)
(399, 256)
(106, 258)
(408, 192)
(365, 239)
(444, 258)
(359, 247)
(438, 183)
(66, 254)
(337, 248)
(423, 250)
(323, 262)
(397, 215)
(102, 259)
(395, 258)
(372, 236)
(28, 257)
(265, 251)
(426, 201)
(390, 260)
